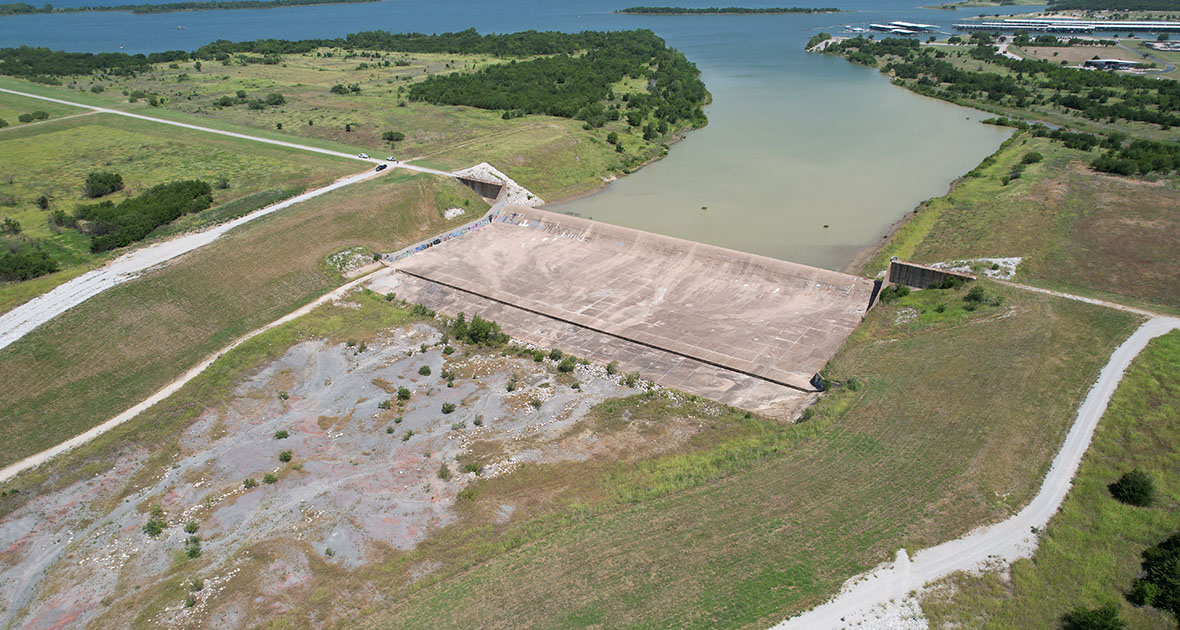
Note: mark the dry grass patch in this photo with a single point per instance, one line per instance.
(115, 349)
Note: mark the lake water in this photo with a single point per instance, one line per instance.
(796, 141)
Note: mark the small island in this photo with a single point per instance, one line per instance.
(23, 8)
(725, 10)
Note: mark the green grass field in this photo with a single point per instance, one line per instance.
(54, 158)
(12, 106)
(115, 349)
(1089, 552)
(952, 422)
(945, 420)
(554, 157)
(1078, 231)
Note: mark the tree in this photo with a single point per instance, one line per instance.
(393, 136)
(1134, 488)
(1104, 617)
(43, 202)
(102, 183)
(274, 99)
(10, 226)
(1032, 157)
(612, 137)
(1160, 584)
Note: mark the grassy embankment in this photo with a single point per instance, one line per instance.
(749, 521)
(1089, 552)
(115, 349)
(54, 158)
(554, 157)
(1078, 230)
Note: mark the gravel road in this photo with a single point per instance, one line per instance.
(860, 602)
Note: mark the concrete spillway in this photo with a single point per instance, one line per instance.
(737, 327)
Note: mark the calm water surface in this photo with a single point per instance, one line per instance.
(795, 141)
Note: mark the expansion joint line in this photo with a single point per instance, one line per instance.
(607, 333)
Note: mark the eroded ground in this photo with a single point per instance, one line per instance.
(364, 479)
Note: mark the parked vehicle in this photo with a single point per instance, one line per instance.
(382, 167)
(363, 156)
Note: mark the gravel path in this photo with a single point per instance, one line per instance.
(865, 600)
(21, 320)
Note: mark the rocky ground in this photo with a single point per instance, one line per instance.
(364, 476)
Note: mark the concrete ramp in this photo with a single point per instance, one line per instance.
(740, 314)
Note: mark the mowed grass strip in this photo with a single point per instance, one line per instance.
(115, 349)
(54, 158)
(12, 106)
(1078, 231)
(1089, 554)
(952, 422)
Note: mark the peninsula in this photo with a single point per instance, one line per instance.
(725, 10)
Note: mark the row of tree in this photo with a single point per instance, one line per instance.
(115, 225)
(21, 8)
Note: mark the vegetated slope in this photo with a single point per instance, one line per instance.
(947, 418)
(114, 350)
(1115, 5)
(540, 86)
(726, 10)
(1089, 554)
(23, 8)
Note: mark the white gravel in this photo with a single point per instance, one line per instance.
(867, 598)
(516, 194)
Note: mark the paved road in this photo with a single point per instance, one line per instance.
(1006, 541)
(19, 321)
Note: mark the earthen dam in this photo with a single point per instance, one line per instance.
(739, 328)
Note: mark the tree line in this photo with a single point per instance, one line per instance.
(22, 8)
(725, 10)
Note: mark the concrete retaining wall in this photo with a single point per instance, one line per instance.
(483, 188)
(921, 276)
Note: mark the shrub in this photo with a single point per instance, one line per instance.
(478, 421)
(424, 370)
(190, 601)
(473, 467)
(1032, 157)
(393, 136)
(1102, 618)
(389, 429)
(407, 436)
(192, 547)
(283, 396)
(893, 293)
(555, 354)
(631, 379)
(15, 266)
(102, 183)
(978, 296)
(448, 350)
(385, 404)
(249, 483)
(448, 407)
(156, 522)
(612, 368)
(269, 478)
(285, 456)
(274, 98)
(133, 219)
(443, 471)
(1134, 488)
(567, 364)
(281, 434)
(191, 527)
(196, 585)
(1160, 584)
(403, 393)
(43, 202)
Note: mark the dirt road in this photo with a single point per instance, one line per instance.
(21, 320)
(860, 602)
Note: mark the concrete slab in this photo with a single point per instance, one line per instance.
(668, 305)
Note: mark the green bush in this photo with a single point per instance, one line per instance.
(249, 483)
(403, 393)
(281, 434)
(191, 527)
(448, 407)
(567, 364)
(1102, 618)
(285, 456)
(102, 183)
(978, 296)
(1032, 157)
(1160, 584)
(555, 354)
(893, 293)
(156, 522)
(133, 219)
(269, 478)
(473, 467)
(424, 370)
(443, 471)
(1134, 488)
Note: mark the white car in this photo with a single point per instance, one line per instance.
(363, 156)
(390, 159)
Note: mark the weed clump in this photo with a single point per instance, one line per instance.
(156, 522)
(281, 434)
(249, 483)
(893, 293)
(448, 407)
(269, 478)
(285, 456)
